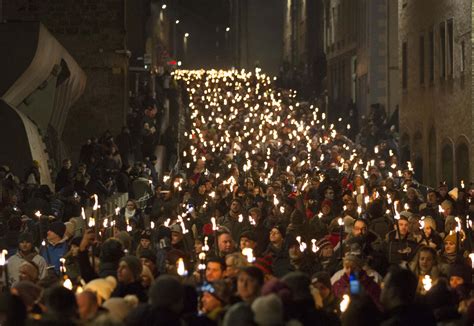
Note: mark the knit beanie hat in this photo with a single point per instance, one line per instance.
(450, 237)
(118, 308)
(462, 271)
(134, 264)
(268, 310)
(147, 254)
(176, 228)
(222, 291)
(103, 287)
(281, 228)
(146, 234)
(264, 264)
(58, 228)
(239, 314)
(28, 237)
(249, 235)
(323, 243)
(322, 277)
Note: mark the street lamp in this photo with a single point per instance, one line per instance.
(227, 29)
(177, 21)
(186, 35)
(163, 6)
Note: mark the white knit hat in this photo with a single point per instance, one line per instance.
(103, 287)
(268, 310)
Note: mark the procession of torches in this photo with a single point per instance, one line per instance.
(267, 120)
(218, 99)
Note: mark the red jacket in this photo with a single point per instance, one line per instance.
(368, 286)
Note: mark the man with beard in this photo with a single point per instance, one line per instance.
(235, 220)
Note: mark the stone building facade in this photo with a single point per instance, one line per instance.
(436, 124)
(361, 46)
(303, 43)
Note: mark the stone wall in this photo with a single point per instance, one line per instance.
(436, 116)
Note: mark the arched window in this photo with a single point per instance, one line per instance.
(462, 163)
(447, 164)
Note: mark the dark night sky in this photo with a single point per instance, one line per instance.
(206, 21)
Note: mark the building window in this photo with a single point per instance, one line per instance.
(431, 52)
(404, 65)
(422, 60)
(450, 46)
(463, 56)
(442, 50)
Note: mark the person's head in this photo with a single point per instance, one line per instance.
(329, 193)
(431, 197)
(25, 243)
(129, 270)
(294, 251)
(399, 288)
(248, 239)
(167, 293)
(87, 304)
(225, 243)
(277, 235)
(447, 207)
(29, 292)
(359, 228)
(352, 263)
(256, 214)
(215, 268)
(403, 226)
(56, 231)
(131, 205)
(234, 262)
(426, 259)
(326, 248)
(459, 274)
(235, 206)
(322, 282)
(450, 244)
(12, 309)
(148, 258)
(216, 296)
(28, 271)
(61, 302)
(145, 239)
(67, 164)
(249, 283)
(326, 207)
(176, 234)
(299, 284)
(147, 277)
(198, 244)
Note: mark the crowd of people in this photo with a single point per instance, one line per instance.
(275, 218)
